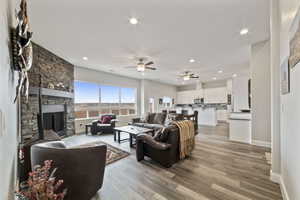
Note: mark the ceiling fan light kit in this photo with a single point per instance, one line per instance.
(187, 75)
(140, 67)
(186, 78)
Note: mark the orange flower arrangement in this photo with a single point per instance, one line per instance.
(42, 184)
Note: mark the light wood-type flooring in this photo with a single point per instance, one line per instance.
(217, 170)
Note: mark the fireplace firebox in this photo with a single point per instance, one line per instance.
(54, 121)
(54, 118)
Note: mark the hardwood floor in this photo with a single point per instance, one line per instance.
(217, 170)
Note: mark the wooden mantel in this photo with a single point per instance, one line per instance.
(51, 92)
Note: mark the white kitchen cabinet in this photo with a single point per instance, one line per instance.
(187, 97)
(184, 97)
(215, 95)
(222, 115)
(210, 95)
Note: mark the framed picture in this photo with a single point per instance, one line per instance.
(285, 77)
(160, 101)
(295, 42)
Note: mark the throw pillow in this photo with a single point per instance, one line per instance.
(149, 118)
(161, 135)
(106, 119)
(159, 118)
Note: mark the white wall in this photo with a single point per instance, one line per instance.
(240, 93)
(8, 121)
(156, 90)
(261, 93)
(290, 112)
(275, 85)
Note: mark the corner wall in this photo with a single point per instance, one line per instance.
(8, 110)
(261, 93)
(151, 89)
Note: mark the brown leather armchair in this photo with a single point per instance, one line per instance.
(166, 153)
(82, 169)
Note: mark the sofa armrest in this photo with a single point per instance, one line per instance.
(95, 121)
(153, 143)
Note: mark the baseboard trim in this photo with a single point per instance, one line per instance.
(261, 143)
(277, 178)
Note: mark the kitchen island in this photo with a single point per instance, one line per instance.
(207, 113)
(240, 127)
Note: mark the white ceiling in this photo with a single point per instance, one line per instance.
(170, 32)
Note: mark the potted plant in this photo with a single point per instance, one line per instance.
(42, 185)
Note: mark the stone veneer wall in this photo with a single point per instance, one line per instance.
(52, 70)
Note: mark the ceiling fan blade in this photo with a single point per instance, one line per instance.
(128, 67)
(152, 68)
(149, 63)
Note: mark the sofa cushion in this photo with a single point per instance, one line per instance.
(139, 124)
(153, 126)
(162, 135)
(159, 118)
(149, 118)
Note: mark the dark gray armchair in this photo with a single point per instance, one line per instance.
(82, 169)
(98, 126)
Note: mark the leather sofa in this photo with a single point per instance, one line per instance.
(152, 121)
(98, 126)
(156, 121)
(82, 169)
(163, 148)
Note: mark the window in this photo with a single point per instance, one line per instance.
(109, 94)
(167, 101)
(128, 95)
(86, 92)
(93, 100)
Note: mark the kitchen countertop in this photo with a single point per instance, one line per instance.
(218, 106)
(240, 116)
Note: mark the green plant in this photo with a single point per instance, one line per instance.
(42, 184)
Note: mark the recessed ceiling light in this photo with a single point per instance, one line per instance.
(133, 21)
(85, 58)
(220, 71)
(192, 60)
(214, 78)
(234, 75)
(244, 31)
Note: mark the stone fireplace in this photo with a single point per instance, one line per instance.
(51, 93)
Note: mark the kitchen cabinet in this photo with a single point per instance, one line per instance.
(222, 115)
(187, 97)
(210, 95)
(215, 95)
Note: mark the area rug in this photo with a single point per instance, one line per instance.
(113, 153)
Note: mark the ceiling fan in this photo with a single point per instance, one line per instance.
(187, 75)
(142, 65)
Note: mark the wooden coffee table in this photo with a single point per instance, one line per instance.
(133, 131)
